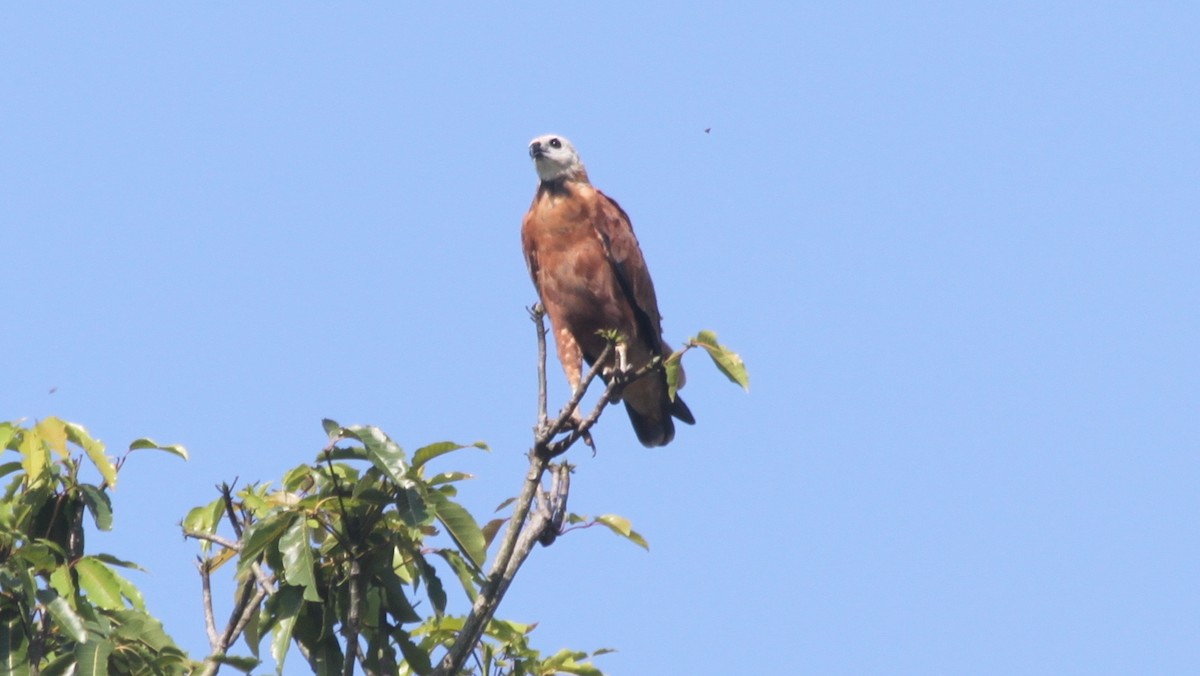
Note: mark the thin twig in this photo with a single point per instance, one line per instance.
(244, 618)
(213, 537)
(210, 622)
(239, 608)
(265, 582)
(227, 493)
(615, 385)
(554, 503)
(546, 435)
(538, 313)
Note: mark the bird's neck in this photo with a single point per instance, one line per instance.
(561, 185)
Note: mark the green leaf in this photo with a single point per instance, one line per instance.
(461, 526)
(25, 583)
(129, 591)
(43, 555)
(62, 582)
(427, 453)
(204, 518)
(282, 609)
(611, 335)
(314, 633)
(261, 535)
(674, 369)
(467, 575)
(382, 452)
(416, 657)
(53, 432)
(395, 597)
(100, 583)
(433, 585)
(332, 429)
(14, 644)
(64, 617)
(114, 561)
(173, 449)
(9, 467)
(255, 501)
(298, 559)
(411, 507)
(449, 477)
(242, 664)
(95, 620)
(98, 504)
(299, 478)
(95, 451)
(251, 634)
(490, 529)
(567, 662)
(727, 361)
(339, 453)
(150, 633)
(621, 526)
(8, 431)
(579, 668)
(35, 456)
(507, 630)
(91, 658)
(63, 665)
(129, 624)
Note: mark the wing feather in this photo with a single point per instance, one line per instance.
(629, 266)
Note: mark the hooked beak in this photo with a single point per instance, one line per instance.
(535, 150)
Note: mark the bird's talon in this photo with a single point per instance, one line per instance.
(575, 422)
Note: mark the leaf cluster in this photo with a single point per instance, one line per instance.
(63, 610)
(347, 560)
(728, 362)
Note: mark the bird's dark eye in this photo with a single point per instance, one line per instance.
(555, 143)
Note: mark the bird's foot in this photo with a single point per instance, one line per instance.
(575, 422)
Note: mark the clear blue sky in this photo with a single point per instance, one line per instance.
(958, 244)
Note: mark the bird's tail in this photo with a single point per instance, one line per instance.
(655, 427)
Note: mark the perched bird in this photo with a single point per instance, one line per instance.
(590, 275)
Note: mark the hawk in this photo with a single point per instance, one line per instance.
(590, 275)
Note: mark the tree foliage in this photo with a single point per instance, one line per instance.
(351, 559)
(64, 610)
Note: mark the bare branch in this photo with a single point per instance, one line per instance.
(558, 501)
(265, 582)
(244, 618)
(527, 526)
(248, 600)
(213, 537)
(538, 314)
(210, 622)
(227, 494)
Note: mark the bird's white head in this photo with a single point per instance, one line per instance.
(555, 158)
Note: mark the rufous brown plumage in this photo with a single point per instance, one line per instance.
(591, 277)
